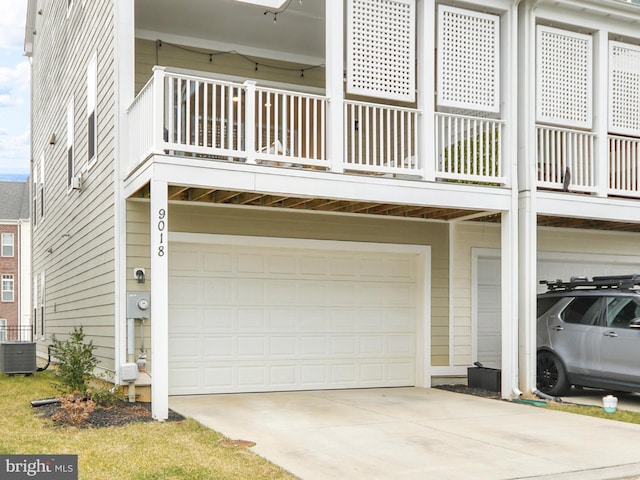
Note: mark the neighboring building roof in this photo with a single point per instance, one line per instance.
(14, 200)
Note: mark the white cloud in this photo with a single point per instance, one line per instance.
(13, 150)
(12, 23)
(14, 84)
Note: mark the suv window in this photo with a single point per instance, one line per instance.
(583, 310)
(545, 303)
(621, 310)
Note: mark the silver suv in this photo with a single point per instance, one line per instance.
(589, 334)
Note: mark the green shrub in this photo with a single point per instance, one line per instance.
(76, 362)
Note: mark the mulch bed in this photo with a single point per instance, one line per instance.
(118, 415)
(479, 392)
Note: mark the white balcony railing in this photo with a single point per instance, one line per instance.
(381, 139)
(206, 118)
(624, 166)
(468, 149)
(566, 159)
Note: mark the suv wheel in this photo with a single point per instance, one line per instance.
(551, 376)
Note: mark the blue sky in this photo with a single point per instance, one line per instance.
(14, 89)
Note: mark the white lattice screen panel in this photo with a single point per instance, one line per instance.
(468, 59)
(624, 88)
(381, 49)
(564, 77)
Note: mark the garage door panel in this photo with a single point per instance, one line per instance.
(218, 347)
(217, 378)
(247, 292)
(186, 319)
(250, 263)
(217, 319)
(185, 379)
(270, 319)
(184, 291)
(214, 262)
(282, 264)
(282, 320)
(251, 319)
(215, 291)
(283, 346)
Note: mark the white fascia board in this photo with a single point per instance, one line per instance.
(297, 182)
(587, 207)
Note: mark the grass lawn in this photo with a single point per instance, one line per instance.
(142, 451)
(619, 415)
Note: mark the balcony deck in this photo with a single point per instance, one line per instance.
(194, 115)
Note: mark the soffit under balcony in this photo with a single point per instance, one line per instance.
(257, 199)
(296, 34)
(587, 224)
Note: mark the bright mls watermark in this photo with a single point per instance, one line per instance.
(49, 467)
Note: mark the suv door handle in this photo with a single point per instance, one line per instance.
(558, 328)
(610, 334)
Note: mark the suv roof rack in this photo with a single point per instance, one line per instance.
(609, 281)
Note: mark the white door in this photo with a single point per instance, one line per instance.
(245, 319)
(489, 300)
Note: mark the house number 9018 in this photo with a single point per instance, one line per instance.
(161, 228)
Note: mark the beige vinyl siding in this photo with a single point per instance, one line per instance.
(466, 237)
(580, 241)
(150, 53)
(197, 218)
(74, 244)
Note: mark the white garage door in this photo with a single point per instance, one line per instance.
(551, 266)
(247, 319)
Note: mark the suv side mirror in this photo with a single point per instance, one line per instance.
(635, 323)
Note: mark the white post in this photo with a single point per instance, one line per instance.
(159, 220)
(601, 111)
(509, 307)
(250, 120)
(425, 13)
(334, 79)
(158, 110)
(527, 212)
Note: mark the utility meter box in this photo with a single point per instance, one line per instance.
(138, 305)
(128, 372)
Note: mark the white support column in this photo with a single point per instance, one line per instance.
(334, 80)
(509, 224)
(425, 17)
(159, 223)
(527, 213)
(601, 110)
(528, 246)
(509, 307)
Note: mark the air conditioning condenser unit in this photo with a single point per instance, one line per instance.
(17, 357)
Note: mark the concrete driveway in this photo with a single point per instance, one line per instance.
(413, 433)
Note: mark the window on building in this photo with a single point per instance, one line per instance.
(42, 303)
(36, 306)
(3, 329)
(7, 288)
(34, 198)
(7, 245)
(70, 153)
(41, 187)
(92, 132)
